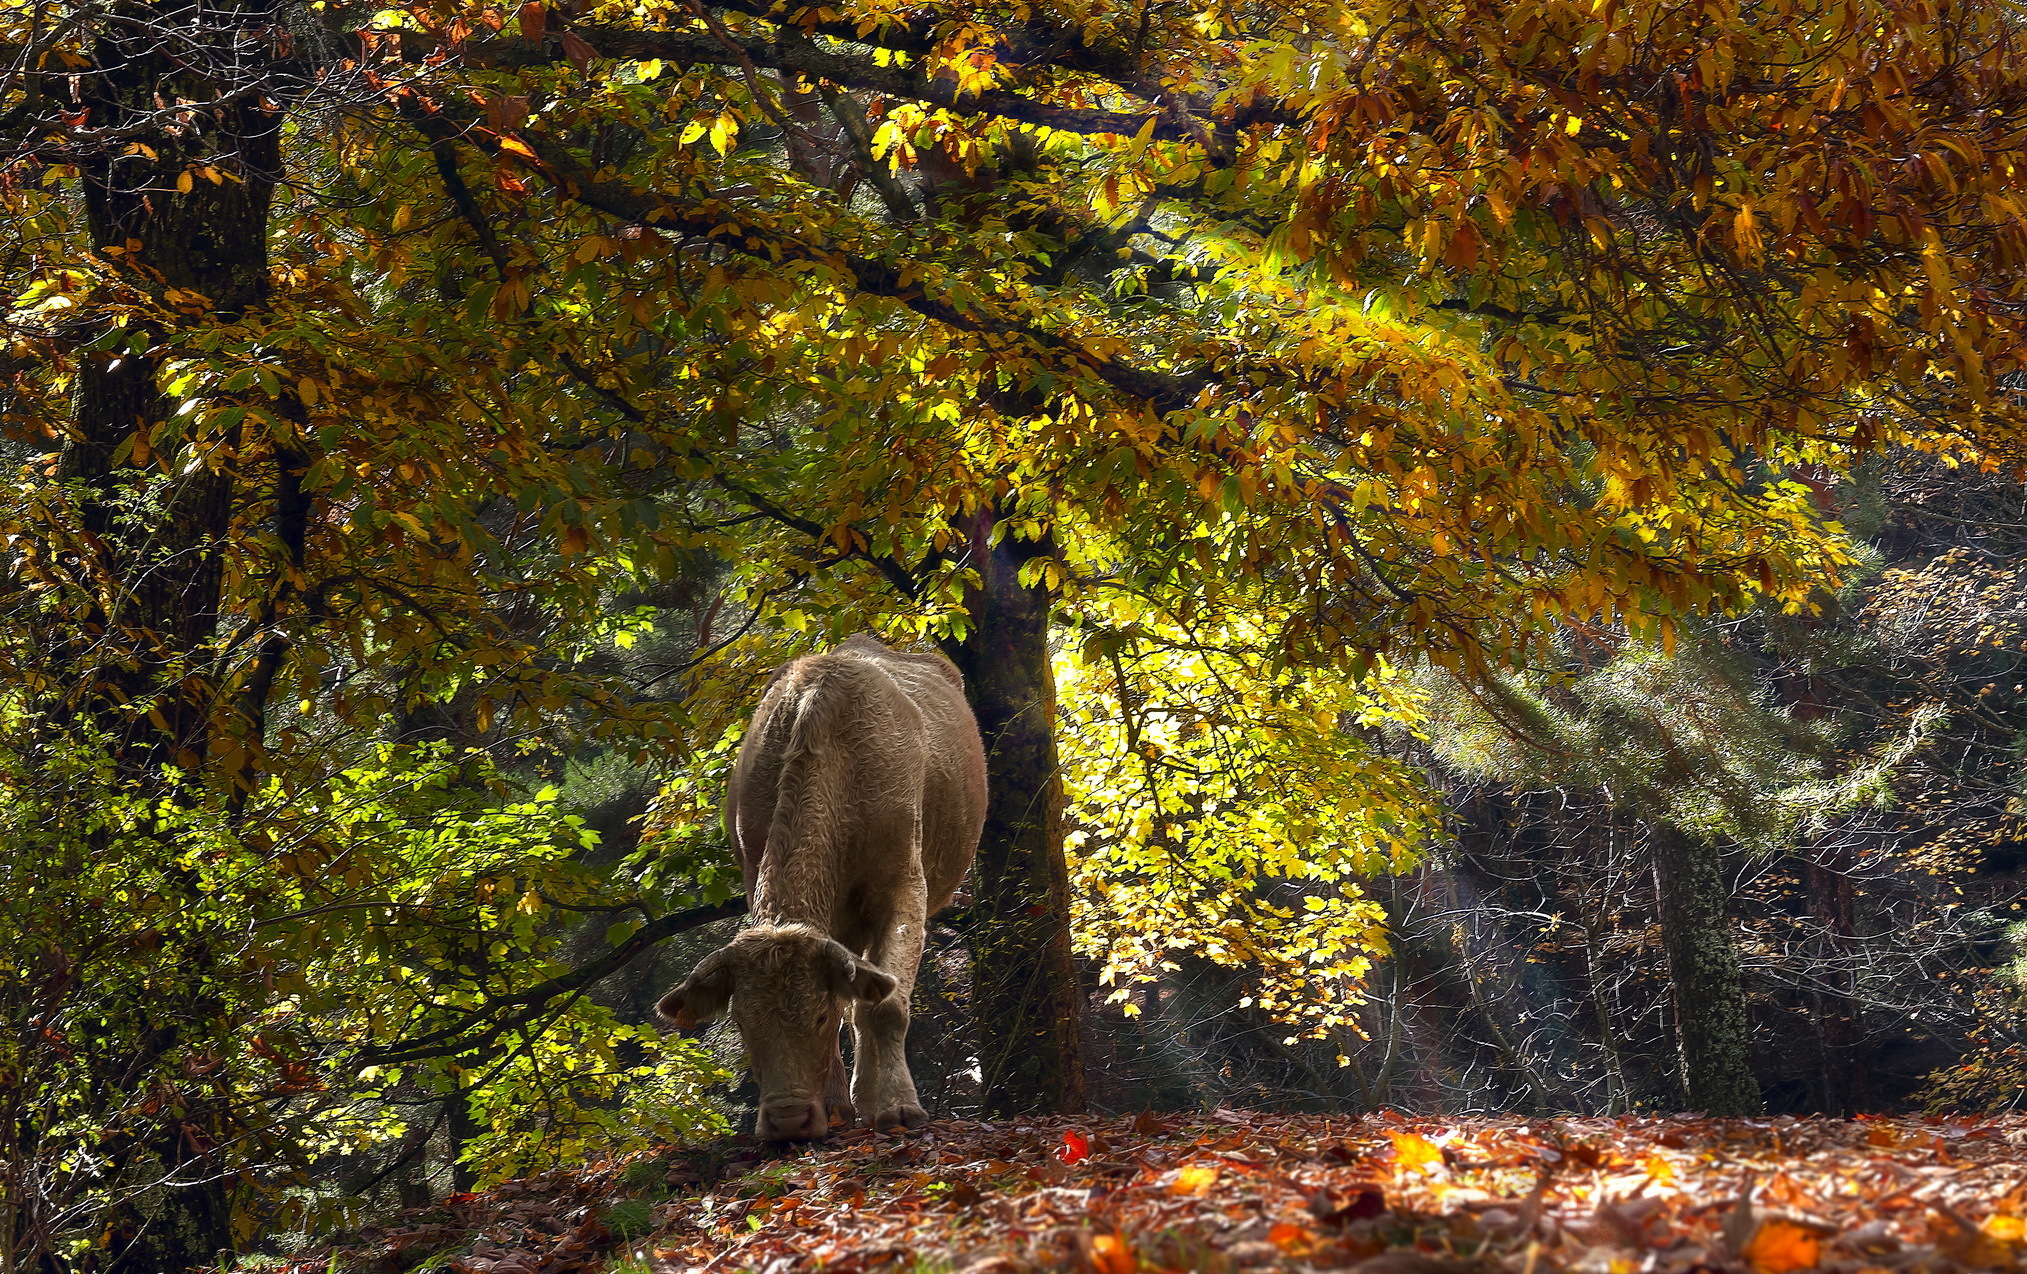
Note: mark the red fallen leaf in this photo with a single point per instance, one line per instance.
(1075, 1148)
(460, 1198)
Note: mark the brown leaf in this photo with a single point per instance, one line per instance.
(1739, 1225)
(1408, 1261)
(1336, 1208)
(533, 19)
(578, 50)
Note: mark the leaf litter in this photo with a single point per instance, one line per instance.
(1234, 1191)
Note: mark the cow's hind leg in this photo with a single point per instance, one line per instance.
(882, 1087)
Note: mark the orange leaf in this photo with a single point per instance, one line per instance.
(515, 145)
(1415, 1152)
(1291, 1238)
(1782, 1246)
(1658, 1168)
(1111, 1254)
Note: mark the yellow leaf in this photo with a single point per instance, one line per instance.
(515, 145)
(1194, 1179)
(184, 182)
(1415, 1152)
(1658, 1168)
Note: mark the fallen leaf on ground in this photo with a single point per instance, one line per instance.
(1250, 1193)
(1415, 1152)
(1782, 1246)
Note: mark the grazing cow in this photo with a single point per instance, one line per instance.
(855, 809)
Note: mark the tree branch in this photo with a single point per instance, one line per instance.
(532, 1002)
(1183, 117)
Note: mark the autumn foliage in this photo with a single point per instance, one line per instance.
(412, 408)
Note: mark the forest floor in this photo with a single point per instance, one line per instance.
(1232, 1191)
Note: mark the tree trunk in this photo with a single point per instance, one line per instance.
(1024, 991)
(155, 535)
(1711, 1029)
(1833, 905)
(180, 215)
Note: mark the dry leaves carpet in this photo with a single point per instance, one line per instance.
(1235, 1191)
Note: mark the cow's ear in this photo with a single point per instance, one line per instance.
(702, 997)
(853, 978)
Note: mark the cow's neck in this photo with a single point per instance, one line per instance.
(779, 902)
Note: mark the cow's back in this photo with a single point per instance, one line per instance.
(845, 751)
(953, 795)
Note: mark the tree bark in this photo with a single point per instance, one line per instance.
(1712, 1033)
(155, 536)
(1833, 905)
(181, 215)
(1024, 991)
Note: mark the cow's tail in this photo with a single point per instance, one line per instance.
(814, 796)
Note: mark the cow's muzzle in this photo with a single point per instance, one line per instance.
(792, 1119)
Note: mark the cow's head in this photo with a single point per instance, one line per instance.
(788, 986)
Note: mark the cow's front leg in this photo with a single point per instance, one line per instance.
(881, 1084)
(837, 1092)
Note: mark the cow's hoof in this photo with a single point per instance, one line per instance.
(900, 1118)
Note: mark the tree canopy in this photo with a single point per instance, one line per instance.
(386, 381)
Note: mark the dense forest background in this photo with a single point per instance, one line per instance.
(1483, 541)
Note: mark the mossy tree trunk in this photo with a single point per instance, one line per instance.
(1712, 1031)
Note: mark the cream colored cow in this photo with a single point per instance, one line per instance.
(855, 809)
